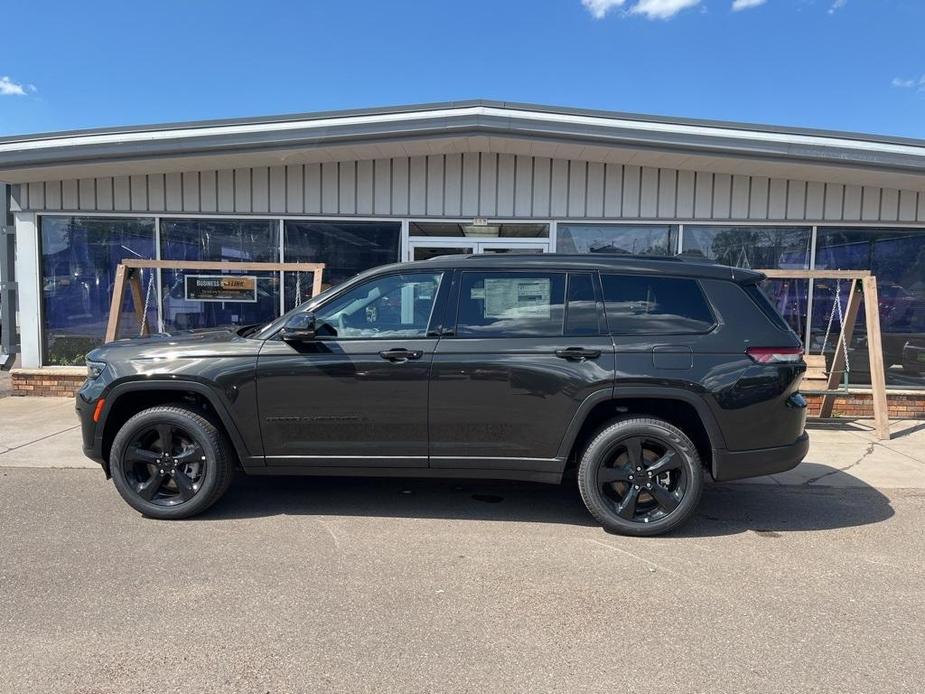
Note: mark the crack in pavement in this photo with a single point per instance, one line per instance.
(42, 438)
(868, 452)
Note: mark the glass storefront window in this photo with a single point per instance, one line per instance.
(897, 258)
(760, 247)
(218, 239)
(624, 239)
(79, 259)
(480, 231)
(346, 248)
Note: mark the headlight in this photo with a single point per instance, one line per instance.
(94, 369)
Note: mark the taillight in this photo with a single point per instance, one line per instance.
(775, 355)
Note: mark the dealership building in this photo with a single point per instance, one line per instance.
(356, 189)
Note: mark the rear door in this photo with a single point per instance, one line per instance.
(525, 349)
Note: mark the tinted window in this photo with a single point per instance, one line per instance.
(394, 306)
(621, 239)
(510, 304)
(581, 316)
(759, 297)
(639, 305)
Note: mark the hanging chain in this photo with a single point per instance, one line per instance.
(144, 316)
(836, 306)
(298, 289)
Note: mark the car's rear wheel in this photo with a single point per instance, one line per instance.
(170, 462)
(641, 476)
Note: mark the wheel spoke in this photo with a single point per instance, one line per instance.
(606, 475)
(669, 461)
(165, 435)
(633, 451)
(135, 454)
(192, 455)
(184, 485)
(149, 488)
(627, 507)
(666, 499)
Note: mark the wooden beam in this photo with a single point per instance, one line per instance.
(816, 274)
(875, 354)
(115, 306)
(230, 266)
(844, 338)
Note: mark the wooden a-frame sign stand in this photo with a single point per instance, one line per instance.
(127, 272)
(863, 285)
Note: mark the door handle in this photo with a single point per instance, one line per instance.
(578, 353)
(401, 354)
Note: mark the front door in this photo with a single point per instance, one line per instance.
(424, 249)
(357, 395)
(527, 348)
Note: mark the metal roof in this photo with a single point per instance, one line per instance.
(462, 118)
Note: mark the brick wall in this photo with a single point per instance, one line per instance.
(54, 381)
(860, 405)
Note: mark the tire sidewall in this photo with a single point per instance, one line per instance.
(204, 434)
(596, 454)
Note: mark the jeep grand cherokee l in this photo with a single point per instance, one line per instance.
(641, 375)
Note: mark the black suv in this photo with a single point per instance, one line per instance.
(636, 374)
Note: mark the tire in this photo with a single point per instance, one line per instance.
(149, 477)
(608, 483)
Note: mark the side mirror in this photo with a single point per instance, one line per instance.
(299, 328)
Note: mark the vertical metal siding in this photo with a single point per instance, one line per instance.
(478, 184)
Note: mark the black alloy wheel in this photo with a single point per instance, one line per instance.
(641, 477)
(170, 462)
(164, 464)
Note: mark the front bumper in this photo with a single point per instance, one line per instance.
(740, 465)
(88, 428)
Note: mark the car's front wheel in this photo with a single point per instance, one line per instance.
(641, 476)
(170, 462)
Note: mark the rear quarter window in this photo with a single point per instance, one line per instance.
(759, 298)
(642, 305)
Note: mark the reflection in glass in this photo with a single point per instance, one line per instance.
(760, 247)
(79, 259)
(897, 258)
(395, 306)
(510, 304)
(216, 240)
(621, 239)
(347, 248)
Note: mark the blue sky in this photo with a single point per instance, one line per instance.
(840, 64)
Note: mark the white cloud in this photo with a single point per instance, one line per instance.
(650, 9)
(661, 9)
(837, 5)
(599, 8)
(906, 83)
(746, 4)
(10, 88)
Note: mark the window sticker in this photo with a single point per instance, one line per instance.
(513, 297)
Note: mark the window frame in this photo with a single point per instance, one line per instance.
(706, 301)
(452, 331)
(433, 322)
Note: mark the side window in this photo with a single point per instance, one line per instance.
(581, 316)
(641, 305)
(510, 304)
(394, 306)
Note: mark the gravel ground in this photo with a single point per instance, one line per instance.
(304, 585)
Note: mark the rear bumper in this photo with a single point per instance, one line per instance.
(739, 465)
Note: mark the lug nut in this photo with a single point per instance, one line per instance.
(649, 486)
(631, 477)
(637, 486)
(638, 469)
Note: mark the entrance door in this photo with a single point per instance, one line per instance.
(426, 249)
(357, 394)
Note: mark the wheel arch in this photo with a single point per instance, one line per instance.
(684, 409)
(128, 398)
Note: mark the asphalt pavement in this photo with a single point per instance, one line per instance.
(315, 585)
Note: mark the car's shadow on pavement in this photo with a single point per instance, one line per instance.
(724, 509)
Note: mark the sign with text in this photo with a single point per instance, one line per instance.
(220, 288)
